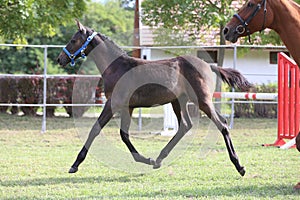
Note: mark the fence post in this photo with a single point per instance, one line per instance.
(232, 100)
(44, 90)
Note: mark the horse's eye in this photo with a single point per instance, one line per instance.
(73, 41)
(250, 5)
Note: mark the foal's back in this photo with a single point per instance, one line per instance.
(197, 72)
(163, 81)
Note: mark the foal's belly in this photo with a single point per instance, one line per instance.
(151, 94)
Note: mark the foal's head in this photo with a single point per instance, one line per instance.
(255, 15)
(79, 45)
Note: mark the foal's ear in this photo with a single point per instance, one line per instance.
(80, 27)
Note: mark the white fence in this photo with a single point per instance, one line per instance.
(145, 54)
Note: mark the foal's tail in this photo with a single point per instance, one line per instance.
(232, 77)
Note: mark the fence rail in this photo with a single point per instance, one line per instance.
(46, 76)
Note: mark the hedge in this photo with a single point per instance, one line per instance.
(258, 109)
(29, 90)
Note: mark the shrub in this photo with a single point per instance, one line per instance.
(258, 109)
(29, 90)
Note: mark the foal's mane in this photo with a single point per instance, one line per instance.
(111, 42)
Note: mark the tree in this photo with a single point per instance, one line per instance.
(188, 18)
(20, 19)
(111, 19)
(104, 18)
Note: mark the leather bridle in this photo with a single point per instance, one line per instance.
(240, 29)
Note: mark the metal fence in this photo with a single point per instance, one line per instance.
(46, 76)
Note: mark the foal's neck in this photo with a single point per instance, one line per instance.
(287, 24)
(105, 52)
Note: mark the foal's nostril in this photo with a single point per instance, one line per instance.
(225, 30)
(58, 60)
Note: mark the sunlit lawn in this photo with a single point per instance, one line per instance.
(35, 165)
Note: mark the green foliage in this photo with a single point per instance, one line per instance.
(112, 20)
(189, 17)
(29, 60)
(20, 19)
(109, 19)
(266, 37)
(24, 60)
(258, 109)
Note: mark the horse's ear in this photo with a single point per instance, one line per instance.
(80, 27)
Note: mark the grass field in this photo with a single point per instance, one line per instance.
(35, 165)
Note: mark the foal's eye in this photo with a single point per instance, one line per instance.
(250, 5)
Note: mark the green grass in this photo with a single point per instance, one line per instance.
(35, 165)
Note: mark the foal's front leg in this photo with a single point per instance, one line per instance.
(105, 116)
(125, 123)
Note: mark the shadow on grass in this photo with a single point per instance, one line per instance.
(249, 191)
(240, 192)
(64, 180)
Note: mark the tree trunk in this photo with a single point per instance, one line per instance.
(136, 33)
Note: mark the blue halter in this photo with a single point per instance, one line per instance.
(79, 51)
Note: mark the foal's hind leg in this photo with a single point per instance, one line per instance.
(125, 123)
(105, 116)
(185, 125)
(220, 122)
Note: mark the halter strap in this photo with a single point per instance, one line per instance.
(80, 50)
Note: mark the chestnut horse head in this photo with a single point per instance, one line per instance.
(255, 15)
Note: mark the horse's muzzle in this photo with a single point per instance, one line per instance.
(230, 34)
(62, 59)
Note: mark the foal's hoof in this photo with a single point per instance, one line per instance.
(152, 161)
(242, 171)
(73, 170)
(157, 164)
